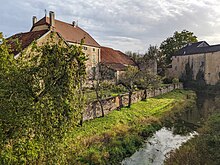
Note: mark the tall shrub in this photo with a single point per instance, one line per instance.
(41, 100)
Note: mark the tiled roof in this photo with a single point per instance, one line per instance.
(69, 32)
(25, 39)
(115, 59)
(197, 48)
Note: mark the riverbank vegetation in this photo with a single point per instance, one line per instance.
(203, 149)
(109, 139)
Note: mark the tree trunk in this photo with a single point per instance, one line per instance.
(102, 109)
(129, 99)
(145, 95)
(99, 100)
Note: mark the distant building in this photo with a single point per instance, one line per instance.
(197, 61)
(116, 61)
(72, 34)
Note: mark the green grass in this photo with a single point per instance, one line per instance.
(109, 139)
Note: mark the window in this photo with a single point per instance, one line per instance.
(202, 63)
(84, 47)
(93, 58)
(93, 49)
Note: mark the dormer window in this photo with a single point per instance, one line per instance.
(203, 44)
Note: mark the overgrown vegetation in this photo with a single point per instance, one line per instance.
(203, 149)
(109, 139)
(41, 102)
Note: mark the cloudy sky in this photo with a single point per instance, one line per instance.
(121, 24)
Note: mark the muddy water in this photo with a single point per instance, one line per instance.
(172, 136)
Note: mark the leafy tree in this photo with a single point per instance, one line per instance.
(134, 56)
(97, 86)
(147, 80)
(40, 101)
(152, 53)
(176, 42)
(128, 79)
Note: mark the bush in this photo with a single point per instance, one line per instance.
(40, 102)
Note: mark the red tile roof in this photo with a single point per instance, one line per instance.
(115, 59)
(69, 32)
(25, 39)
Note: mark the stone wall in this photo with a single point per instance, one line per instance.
(93, 109)
(205, 66)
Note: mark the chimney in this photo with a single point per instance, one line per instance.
(52, 19)
(74, 23)
(34, 19)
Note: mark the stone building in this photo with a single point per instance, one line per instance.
(72, 34)
(197, 61)
(26, 40)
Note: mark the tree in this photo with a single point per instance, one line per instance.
(128, 79)
(136, 57)
(40, 102)
(176, 42)
(97, 86)
(152, 53)
(147, 80)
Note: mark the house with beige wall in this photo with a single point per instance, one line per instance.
(28, 39)
(73, 35)
(197, 61)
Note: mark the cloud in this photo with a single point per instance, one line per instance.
(121, 24)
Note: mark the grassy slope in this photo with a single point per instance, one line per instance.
(108, 140)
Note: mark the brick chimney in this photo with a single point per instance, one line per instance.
(34, 19)
(52, 19)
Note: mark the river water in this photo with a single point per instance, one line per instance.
(172, 136)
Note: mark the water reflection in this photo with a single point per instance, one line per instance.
(181, 128)
(155, 150)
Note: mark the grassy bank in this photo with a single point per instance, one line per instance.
(118, 135)
(203, 149)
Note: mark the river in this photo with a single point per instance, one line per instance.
(174, 134)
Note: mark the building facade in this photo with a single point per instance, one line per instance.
(197, 61)
(73, 35)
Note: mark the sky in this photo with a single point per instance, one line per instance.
(126, 25)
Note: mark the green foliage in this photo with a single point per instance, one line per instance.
(129, 77)
(153, 53)
(40, 101)
(175, 80)
(148, 80)
(136, 57)
(176, 42)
